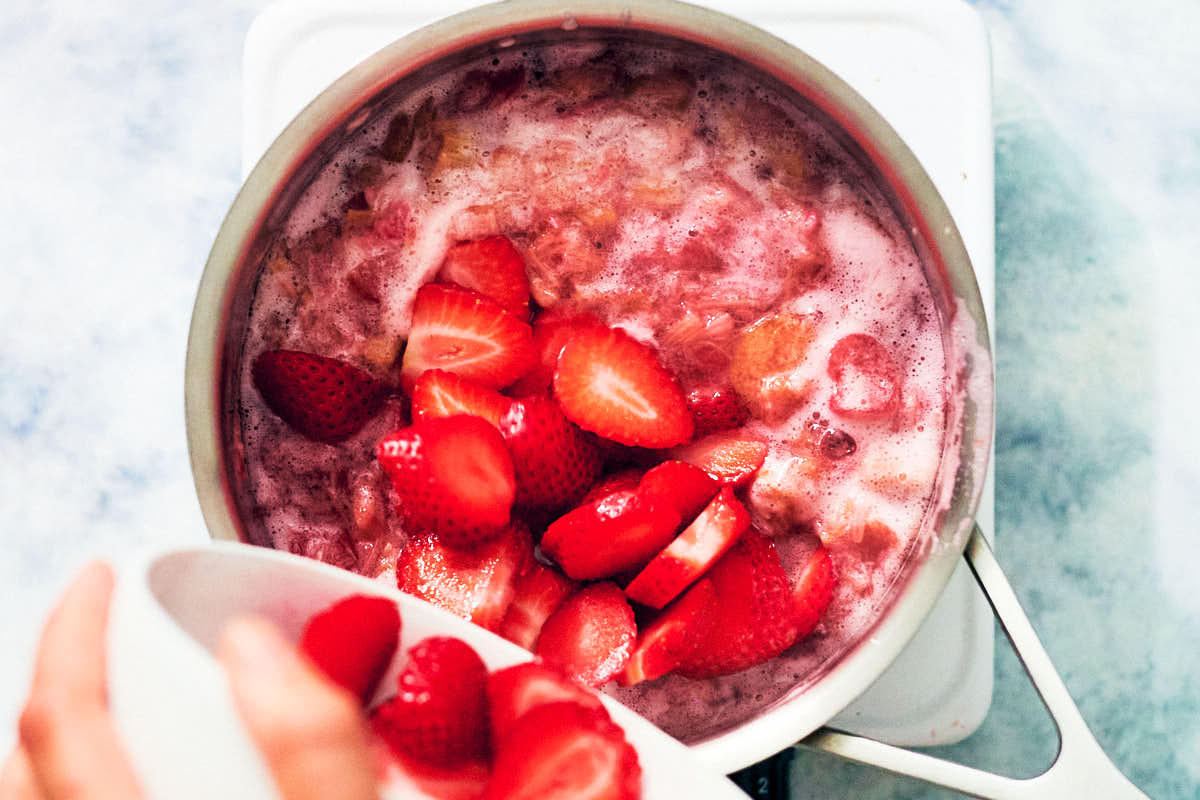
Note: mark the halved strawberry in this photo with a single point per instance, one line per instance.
(715, 410)
(612, 535)
(476, 583)
(353, 642)
(440, 715)
(514, 691)
(536, 593)
(672, 636)
(418, 779)
(551, 330)
(323, 398)
(554, 461)
(813, 591)
(438, 393)
(754, 620)
(590, 637)
(562, 751)
(463, 332)
(867, 378)
(492, 267)
(454, 477)
(731, 457)
(688, 488)
(692, 552)
(624, 479)
(613, 385)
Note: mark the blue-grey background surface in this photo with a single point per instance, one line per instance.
(119, 153)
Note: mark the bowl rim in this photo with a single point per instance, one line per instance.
(788, 720)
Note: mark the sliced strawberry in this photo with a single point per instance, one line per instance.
(754, 619)
(562, 751)
(454, 477)
(492, 267)
(438, 393)
(867, 379)
(353, 642)
(613, 385)
(476, 583)
(686, 487)
(672, 636)
(517, 690)
(536, 593)
(440, 715)
(463, 332)
(731, 457)
(590, 636)
(323, 398)
(715, 410)
(554, 461)
(418, 779)
(617, 533)
(625, 479)
(813, 591)
(551, 330)
(692, 552)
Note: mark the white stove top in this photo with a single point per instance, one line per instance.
(924, 64)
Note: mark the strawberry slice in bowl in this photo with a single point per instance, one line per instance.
(514, 691)
(463, 332)
(692, 552)
(353, 642)
(323, 398)
(563, 751)
(440, 715)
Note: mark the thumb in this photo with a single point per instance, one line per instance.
(310, 731)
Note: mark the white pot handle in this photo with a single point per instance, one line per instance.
(1080, 770)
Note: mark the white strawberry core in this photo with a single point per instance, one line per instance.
(611, 388)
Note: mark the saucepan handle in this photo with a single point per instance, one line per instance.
(1081, 768)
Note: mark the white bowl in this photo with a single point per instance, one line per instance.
(169, 695)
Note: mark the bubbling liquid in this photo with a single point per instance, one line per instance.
(670, 194)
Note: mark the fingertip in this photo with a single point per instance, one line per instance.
(253, 644)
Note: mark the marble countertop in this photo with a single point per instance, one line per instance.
(119, 155)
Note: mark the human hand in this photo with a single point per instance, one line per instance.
(309, 731)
